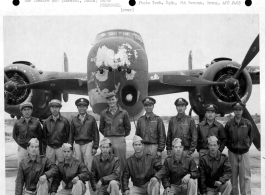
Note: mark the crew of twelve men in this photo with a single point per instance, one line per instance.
(63, 153)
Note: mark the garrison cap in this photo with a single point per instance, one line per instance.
(55, 102)
(104, 141)
(82, 101)
(212, 139)
(34, 141)
(181, 101)
(211, 107)
(137, 138)
(25, 104)
(148, 100)
(67, 145)
(176, 141)
(238, 105)
(110, 95)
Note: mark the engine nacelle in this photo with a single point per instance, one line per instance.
(21, 73)
(219, 94)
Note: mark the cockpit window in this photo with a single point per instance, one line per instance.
(120, 33)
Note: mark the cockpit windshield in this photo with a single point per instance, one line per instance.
(120, 33)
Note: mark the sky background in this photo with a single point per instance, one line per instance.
(168, 40)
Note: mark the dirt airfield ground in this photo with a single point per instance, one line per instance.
(11, 163)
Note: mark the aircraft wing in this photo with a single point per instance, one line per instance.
(254, 72)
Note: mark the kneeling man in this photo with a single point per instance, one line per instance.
(215, 171)
(73, 173)
(105, 171)
(145, 170)
(33, 172)
(181, 172)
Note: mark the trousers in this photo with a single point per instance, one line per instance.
(42, 189)
(148, 188)
(240, 169)
(225, 189)
(54, 155)
(78, 189)
(112, 189)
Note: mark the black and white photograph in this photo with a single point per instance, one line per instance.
(132, 104)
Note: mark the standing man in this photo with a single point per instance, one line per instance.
(181, 172)
(239, 136)
(84, 132)
(34, 172)
(215, 171)
(105, 171)
(183, 127)
(115, 125)
(210, 127)
(56, 132)
(26, 128)
(145, 171)
(72, 172)
(151, 129)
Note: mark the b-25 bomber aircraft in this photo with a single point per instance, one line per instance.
(118, 62)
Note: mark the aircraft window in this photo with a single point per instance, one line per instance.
(138, 37)
(112, 33)
(103, 34)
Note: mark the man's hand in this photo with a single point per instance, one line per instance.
(127, 192)
(186, 178)
(98, 184)
(169, 152)
(94, 151)
(43, 179)
(74, 181)
(53, 193)
(217, 183)
(158, 154)
(153, 180)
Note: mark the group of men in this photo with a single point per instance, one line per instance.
(62, 151)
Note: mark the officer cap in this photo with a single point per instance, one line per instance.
(211, 107)
(181, 101)
(82, 101)
(34, 141)
(110, 95)
(104, 141)
(148, 100)
(136, 138)
(176, 141)
(238, 105)
(67, 145)
(55, 102)
(25, 104)
(212, 139)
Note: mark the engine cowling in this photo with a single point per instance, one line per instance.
(25, 73)
(220, 95)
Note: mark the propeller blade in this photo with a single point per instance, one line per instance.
(187, 81)
(55, 84)
(256, 133)
(252, 52)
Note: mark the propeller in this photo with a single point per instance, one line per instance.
(187, 81)
(252, 52)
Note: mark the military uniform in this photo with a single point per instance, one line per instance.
(176, 170)
(206, 130)
(116, 127)
(56, 132)
(84, 132)
(67, 172)
(183, 127)
(141, 170)
(239, 139)
(152, 130)
(108, 172)
(29, 172)
(24, 130)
